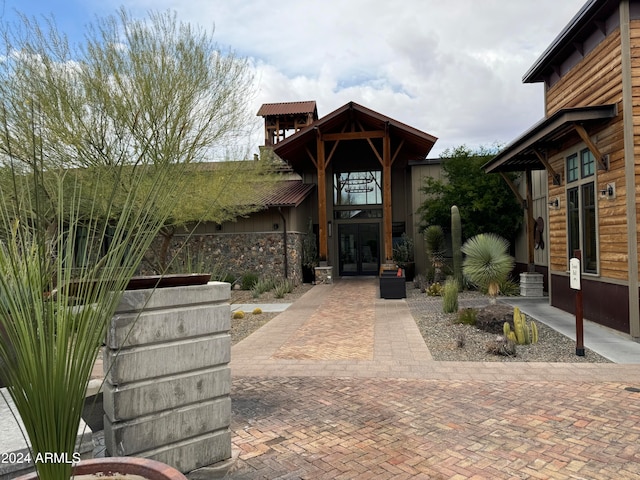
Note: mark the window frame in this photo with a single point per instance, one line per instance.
(583, 187)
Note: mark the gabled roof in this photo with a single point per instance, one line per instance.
(520, 154)
(591, 16)
(288, 108)
(294, 149)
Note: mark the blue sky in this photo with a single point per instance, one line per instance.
(452, 69)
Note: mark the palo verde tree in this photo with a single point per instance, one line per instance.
(217, 192)
(485, 201)
(95, 140)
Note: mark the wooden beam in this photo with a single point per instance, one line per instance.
(322, 201)
(373, 147)
(387, 224)
(328, 137)
(333, 149)
(530, 224)
(513, 188)
(393, 159)
(602, 165)
(315, 164)
(556, 179)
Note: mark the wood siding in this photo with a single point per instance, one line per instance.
(635, 81)
(597, 80)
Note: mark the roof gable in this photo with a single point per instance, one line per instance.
(356, 119)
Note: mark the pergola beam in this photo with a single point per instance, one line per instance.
(328, 137)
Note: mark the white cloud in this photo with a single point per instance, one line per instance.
(452, 69)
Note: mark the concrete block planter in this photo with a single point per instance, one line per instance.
(167, 377)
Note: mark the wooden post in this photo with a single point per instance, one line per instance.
(386, 196)
(322, 200)
(530, 226)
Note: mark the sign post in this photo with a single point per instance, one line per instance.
(574, 283)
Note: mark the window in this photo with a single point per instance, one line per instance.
(581, 210)
(587, 162)
(572, 168)
(357, 188)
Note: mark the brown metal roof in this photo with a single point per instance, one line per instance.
(520, 154)
(288, 108)
(286, 193)
(592, 13)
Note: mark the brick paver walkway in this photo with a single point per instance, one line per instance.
(396, 413)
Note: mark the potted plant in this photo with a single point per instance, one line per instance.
(93, 159)
(403, 256)
(115, 467)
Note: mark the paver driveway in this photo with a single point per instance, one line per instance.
(341, 386)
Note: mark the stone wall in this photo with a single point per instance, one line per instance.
(234, 253)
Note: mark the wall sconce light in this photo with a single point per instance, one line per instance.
(330, 229)
(609, 191)
(276, 226)
(555, 203)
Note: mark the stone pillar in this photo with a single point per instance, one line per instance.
(324, 275)
(531, 285)
(167, 376)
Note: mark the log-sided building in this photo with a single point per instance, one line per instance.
(581, 167)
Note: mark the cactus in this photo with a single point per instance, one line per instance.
(522, 333)
(456, 245)
(534, 332)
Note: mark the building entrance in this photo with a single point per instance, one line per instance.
(359, 248)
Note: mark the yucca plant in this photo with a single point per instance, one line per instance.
(487, 262)
(93, 154)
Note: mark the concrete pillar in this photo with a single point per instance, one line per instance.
(531, 284)
(167, 376)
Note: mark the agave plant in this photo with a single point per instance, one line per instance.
(487, 262)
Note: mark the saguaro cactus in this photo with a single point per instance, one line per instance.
(456, 245)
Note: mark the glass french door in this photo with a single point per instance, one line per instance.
(359, 248)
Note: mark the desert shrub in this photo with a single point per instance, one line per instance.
(434, 290)
(248, 280)
(467, 316)
(238, 314)
(262, 285)
(257, 311)
(282, 288)
(450, 296)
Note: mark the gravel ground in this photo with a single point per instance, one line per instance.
(243, 327)
(439, 330)
(442, 334)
